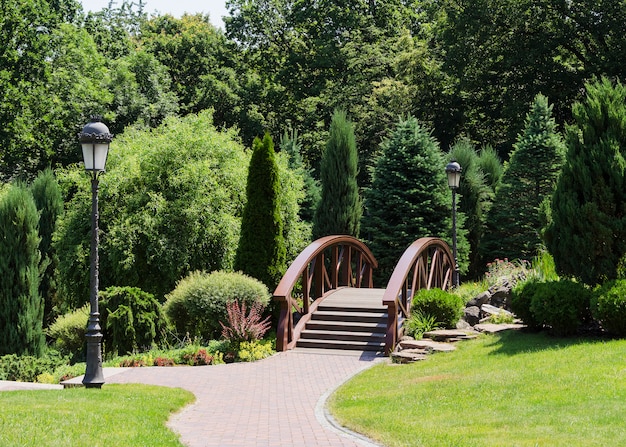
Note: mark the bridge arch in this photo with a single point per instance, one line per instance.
(334, 262)
(325, 265)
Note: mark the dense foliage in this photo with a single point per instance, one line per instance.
(261, 251)
(609, 307)
(339, 209)
(132, 320)
(445, 308)
(21, 306)
(515, 222)
(409, 197)
(199, 302)
(587, 235)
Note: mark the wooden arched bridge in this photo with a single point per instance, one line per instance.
(328, 300)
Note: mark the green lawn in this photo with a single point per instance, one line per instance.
(512, 390)
(116, 415)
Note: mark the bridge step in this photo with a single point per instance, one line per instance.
(353, 326)
(343, 335)
(340, 344)
(347, 316)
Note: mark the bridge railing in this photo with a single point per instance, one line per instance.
(426, 263)
(326, 264)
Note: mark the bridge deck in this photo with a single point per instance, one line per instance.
(352, 297)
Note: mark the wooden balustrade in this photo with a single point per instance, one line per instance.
(325, 265)
(426, 263)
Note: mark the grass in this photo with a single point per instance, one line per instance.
(515, 389)
(116, 415)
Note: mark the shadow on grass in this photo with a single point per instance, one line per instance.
(517, 342)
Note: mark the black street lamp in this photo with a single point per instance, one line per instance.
(453, 169)
(95, 139)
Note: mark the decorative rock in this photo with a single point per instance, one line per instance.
(492, 310)
(479, 300)
(501, 297)
(428, 345)
(472, 315)
(491, 328)
(450, 335)
(407, 357)
(463, 325)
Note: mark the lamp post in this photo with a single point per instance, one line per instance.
(453, 169)
(94, 139)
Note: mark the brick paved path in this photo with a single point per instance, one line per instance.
(274, 402)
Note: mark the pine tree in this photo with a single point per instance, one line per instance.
(340, 208)
(587, 234)
(261, 252)
(49, 202)
(515, 222)
(21, 306)
(409, 196)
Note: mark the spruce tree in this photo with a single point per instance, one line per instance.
(409, 197)
(21, 306)
(261, 251)
(49, 202)
(340, 208)
(515, 221)
(587, 234)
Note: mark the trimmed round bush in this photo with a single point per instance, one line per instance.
(521, 298)
(198, 303)
(444, 307)
(132, 320)
(562, 305)
(609, 307)
(68, 332)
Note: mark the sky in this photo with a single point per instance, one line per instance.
(215, 8)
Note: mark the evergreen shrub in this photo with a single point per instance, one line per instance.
(68, 332)
(198, 303)
(131, 319)
(609, 307)
(521, 298)
(445, 308)
(562, 305)
(27, 368)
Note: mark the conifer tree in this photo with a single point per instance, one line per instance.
(409, 197)
(587, 234)
(261, 252)
(290, 145)
(49, 202)
(340, 208)
(514, 225)
(21, 307)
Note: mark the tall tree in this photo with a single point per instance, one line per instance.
(477, 197)
(515, 223)
(261, 251)
(340, 208)
(21, 306)
(49, 203)
(409, 196)
(587, 234)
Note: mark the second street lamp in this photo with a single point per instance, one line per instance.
(453, 169)
(94, 139)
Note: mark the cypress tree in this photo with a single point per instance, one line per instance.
(587, 234)
(409, 196)
(261, 252)
(49, 203)
(515, 222)
(290, 145)
(21, 307)
(340, 208)
(477, 194)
